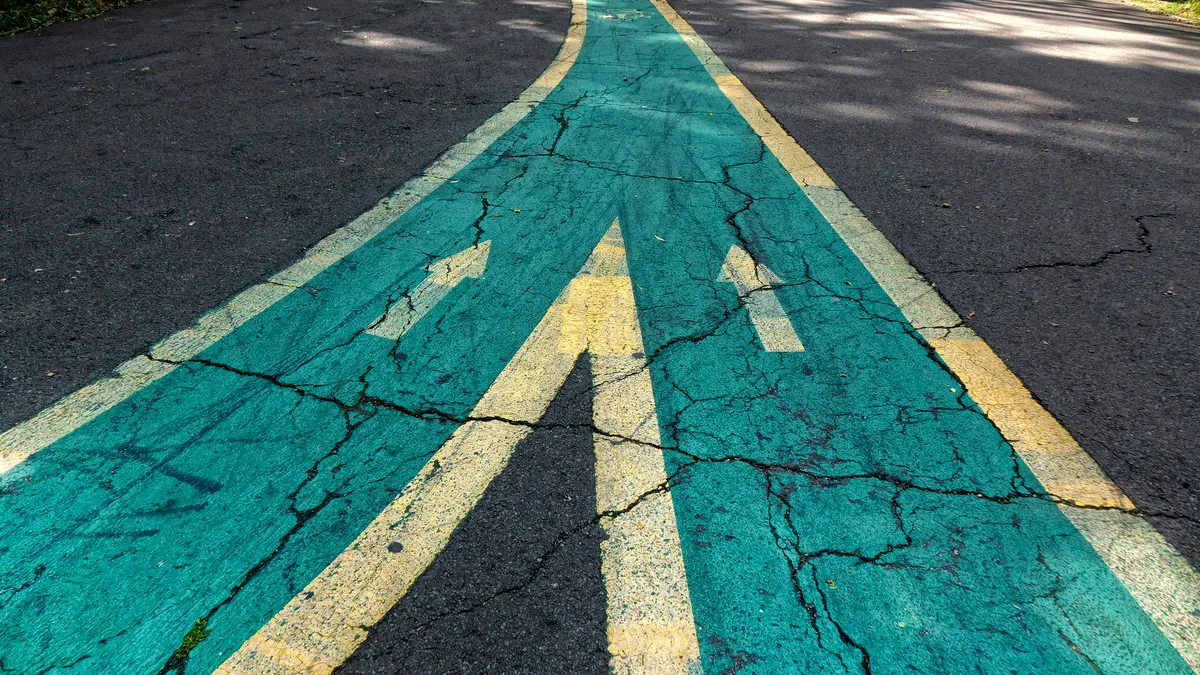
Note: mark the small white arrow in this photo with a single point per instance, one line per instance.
(753, 282)
(444, 275)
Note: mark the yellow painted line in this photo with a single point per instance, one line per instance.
(444, 275)
(74, 410)
(650, 624)
(1156, 575)
(753, 282)
(650, 614)
(323, 625)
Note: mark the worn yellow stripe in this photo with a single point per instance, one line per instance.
(1156, 575)
(650, 613)
(74, 410)
(650, 624)
(322, 626)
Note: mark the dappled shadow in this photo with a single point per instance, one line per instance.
(163, 157)
(1039, 162)
(379, 40)
(1002, 67)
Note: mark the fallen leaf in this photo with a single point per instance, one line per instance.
(145, 69)
(945, 205)
(74, 234)
(312, 9)
(659, 238)
(1132, 119)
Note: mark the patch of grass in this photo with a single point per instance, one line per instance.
(19, 15)
(1186, 9)
(199, 633)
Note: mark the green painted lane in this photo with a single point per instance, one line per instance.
(841, 509)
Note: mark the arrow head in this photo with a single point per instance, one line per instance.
(740, 269)
(470, 262)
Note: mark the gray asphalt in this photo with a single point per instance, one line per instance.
(518, 588)
(157, 160)
(1081, 266)
(132, 200)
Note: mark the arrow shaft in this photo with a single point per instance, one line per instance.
(406, 312)
(775, 329)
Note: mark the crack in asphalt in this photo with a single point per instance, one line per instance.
(813, 599)
(1144, 247)
(543, 559)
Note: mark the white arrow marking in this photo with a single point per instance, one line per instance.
(753, 282)
(444, 275)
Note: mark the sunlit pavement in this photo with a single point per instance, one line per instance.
(625, 382)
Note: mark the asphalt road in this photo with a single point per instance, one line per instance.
(1081, 264)
(518, 588)
(154, 178)
(158, 160)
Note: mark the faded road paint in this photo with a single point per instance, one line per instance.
(444, 275)
(753, 282)
(649, 608)
(846, 507)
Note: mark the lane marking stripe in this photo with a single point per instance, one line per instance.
(650, 625)
(82, 406)
(1156, 575)
(326, 622)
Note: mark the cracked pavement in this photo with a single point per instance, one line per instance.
(1068, 240)
(848, 508)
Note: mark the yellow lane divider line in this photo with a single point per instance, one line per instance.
(80, 407)
(650, 625)
(1156, 575)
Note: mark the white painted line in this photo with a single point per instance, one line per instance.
(753, 282)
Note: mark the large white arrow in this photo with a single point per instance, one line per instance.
(753, 282)
(444, 275)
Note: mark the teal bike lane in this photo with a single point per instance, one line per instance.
(845, 508)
